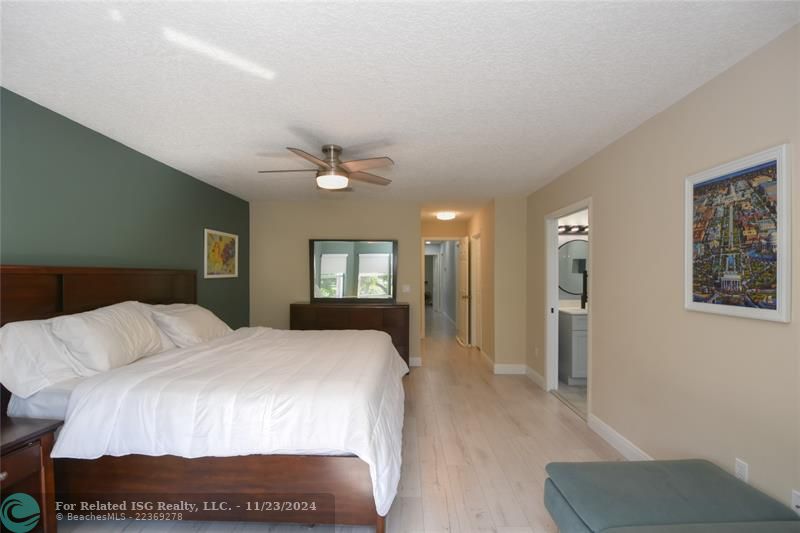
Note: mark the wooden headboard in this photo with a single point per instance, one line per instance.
(39, 292)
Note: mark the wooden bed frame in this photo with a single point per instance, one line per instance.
(310, 489)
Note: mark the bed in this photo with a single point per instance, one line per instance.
(323, 485)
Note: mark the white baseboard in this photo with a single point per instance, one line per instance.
(629, 450)
(536, 377)
(506, 368)
(415, 361)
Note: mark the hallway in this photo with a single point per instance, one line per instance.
(474, 450)
(437, 325)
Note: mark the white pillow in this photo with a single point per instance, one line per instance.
(166, 342)
(32, 358)
(109, 337)
(188, 324)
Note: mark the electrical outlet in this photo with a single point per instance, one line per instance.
(742, 470)
(796, 501)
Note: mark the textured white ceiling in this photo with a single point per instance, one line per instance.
(471, 100)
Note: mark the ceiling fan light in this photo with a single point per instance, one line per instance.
(445, 215)
(332, 181)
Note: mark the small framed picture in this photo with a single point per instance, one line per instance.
(737, 242)
(221, 254)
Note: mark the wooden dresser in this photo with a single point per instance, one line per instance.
(388, 317)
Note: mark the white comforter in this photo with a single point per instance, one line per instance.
(255, 391)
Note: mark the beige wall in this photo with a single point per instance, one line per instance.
(482, 223)
(510, 280)
(279, 233)
(679, 383)
(445, 228)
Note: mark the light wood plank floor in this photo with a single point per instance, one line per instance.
(474, 450)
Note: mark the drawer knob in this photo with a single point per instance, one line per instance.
(3, 476)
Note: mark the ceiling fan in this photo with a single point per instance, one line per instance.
(334, 174)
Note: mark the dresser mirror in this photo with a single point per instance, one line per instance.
(353, 270)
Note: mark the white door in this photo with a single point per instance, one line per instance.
(462, 306)
(475, 291)
(437, 291)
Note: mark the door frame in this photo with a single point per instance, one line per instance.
(459, 297)
(552, 300)
(436, 295)
(475, 331)
(434, 280)
(437, 272)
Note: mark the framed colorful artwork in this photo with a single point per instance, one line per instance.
(737, 242)
(221, 258)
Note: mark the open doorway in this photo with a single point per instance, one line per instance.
(568, 329)
(431, 282)
(441, 287)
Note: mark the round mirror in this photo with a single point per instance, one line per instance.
(571, 264)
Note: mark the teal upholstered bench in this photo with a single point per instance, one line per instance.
(691, 496)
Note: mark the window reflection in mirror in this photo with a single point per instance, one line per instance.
(350, 270)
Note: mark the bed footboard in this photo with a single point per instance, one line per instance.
(304, 489)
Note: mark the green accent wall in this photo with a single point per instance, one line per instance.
(70, 196)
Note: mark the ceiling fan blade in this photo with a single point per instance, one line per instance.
(357, 165)
(369, 178)
(292, 170)
(308, 157)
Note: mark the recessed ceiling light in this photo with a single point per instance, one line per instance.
(427, 242)
(445, 215)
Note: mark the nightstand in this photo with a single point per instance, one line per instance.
(26, 466)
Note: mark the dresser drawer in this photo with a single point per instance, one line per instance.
(395, 318)
(366, 318)
(19, 464)
(390, 318)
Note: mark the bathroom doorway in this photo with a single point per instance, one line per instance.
(569, 296)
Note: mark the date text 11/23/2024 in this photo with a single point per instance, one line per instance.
(152, 509)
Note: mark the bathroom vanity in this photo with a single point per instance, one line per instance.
(572, 345)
